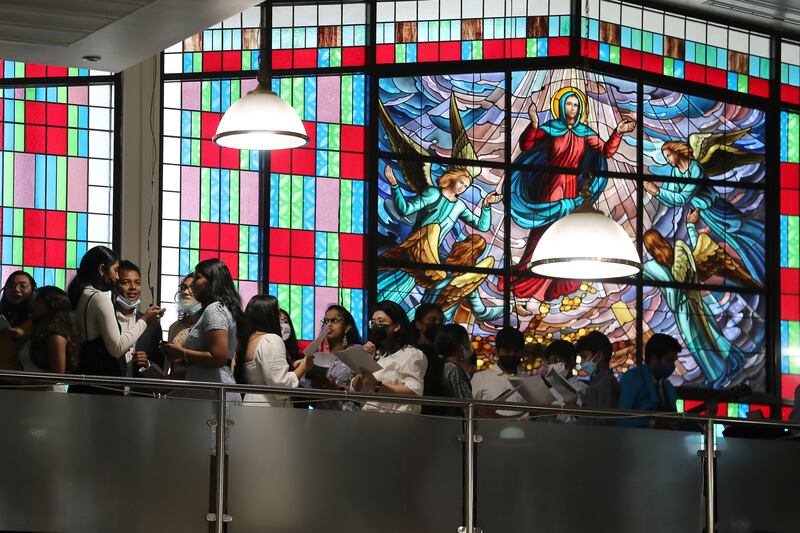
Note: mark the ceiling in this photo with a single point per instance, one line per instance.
(121, 32)
(124, 32)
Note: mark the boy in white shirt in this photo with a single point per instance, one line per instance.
(492, 383)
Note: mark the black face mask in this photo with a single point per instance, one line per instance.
(510, 362)
(378, 334)
(431, 330)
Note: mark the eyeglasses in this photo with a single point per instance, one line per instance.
(184, 287)
(334, 320)
(373, 323)
(20, 285)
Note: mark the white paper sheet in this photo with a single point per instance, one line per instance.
(533, 389)
(324, 359)
(357, 358)
(567, 392)
(314, 346)
(3, 323)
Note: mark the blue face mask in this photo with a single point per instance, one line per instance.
(189, 306)
(590, 367)
(127, 304)
(664, 370)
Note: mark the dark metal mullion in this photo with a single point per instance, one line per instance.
(264, 162)
(116, 228)
(16, 83)
(373, 94)
(507, 267)
(639, 220)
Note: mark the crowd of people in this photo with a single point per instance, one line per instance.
(96, 327)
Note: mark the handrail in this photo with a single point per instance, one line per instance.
(323, 394)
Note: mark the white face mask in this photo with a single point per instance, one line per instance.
(127, 304)
(286, 331)
(189, 306)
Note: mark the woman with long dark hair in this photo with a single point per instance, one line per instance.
(289, 336)
(104, 349)
(262, 354)
(342, 334)
(18, 290)
(403, 366)
(54, 345)
(210, 345)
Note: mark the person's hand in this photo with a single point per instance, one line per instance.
(172, 351)
(369, 347)
(141, 359)
(492, 198)
(153, 315)
(368, 381)
(693, 216)
(652, 188)
(626, 125)
(390, 177)
(15, 333)
(533, 116)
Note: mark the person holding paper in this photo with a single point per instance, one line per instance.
(595, 352)
(560, 356)
(402, 365)
(18, 291)
(493, 383)
(342, 334)
(261, 357)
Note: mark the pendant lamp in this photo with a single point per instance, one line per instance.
(261, 120)
(586, 244)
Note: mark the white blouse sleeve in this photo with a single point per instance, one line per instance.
(270, 355)
(411, 371)
(102, 316)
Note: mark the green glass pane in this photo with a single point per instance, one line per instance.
(530, 48)
(711, 56)
(195, 124)
(61, 183)
(763, 68)
(333, 246)
(477, 50)
(19, 223)
(16, 256)
(334, 136)
(794, 363)
(332, 268)
(244, 234)
(72, 254)
(72, 226)
(614, 54)
(246, 60)
(299, 96)
(336, 57)
(197, 63)
(564, 29)
(700, 54)
(243, 273)
(742, 83)
(205, 96)
(794, 337)
(296, 304)
(793, 241)
(205, 194)
(194, 236)
(61, 278)
(72, 116)
(284, 200)
(668, 66)
(647, 42)
(19, 137)
(234, 197)
(72, 142)
(399, 53)
(194, 257)
(8, 179)
(61, 95)
(333, 164)
(297, 202)
(347, 99)
(236, 90)
(345, 206)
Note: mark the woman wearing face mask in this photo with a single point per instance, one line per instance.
(53, 346)
(15, 310)
(189, 310)
(402, 365)
(454, 346)
(560, 356)
(261, 358)
(103, 348)
(293, 353)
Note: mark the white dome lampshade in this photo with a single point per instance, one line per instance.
(585, 245)
(260, 120)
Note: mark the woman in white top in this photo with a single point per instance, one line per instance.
(103, 347)
(261, 358)
(403, 365)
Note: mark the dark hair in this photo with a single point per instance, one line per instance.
(292, 346)
(419, 315)
(88, 271)
(510, 339)
(402, 337)
(660, 345)
(562, 350)
(352, 337)
(450, 339)
(221, 288)
(57, 321)
(128, 265)
(595, 342)
(261, 314)
(16, 314)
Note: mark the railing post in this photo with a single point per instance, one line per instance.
(221, 426)
(710, 455)
(469, 471)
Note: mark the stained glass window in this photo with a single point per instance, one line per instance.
(317, 35)
(210, 195)
(677, 46)
(790, 253)
(230, 46)
(11, 70)
(317, 199)
(57, 172)
(790, 72)
(419, 31)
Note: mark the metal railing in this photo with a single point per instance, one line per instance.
(707, 425)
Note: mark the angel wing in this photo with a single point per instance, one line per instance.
(717, 155)
(462, 285)
(422, 246)
(462, 146)
(466, 252)
(683, 271)
(712, 260)
(416, 173)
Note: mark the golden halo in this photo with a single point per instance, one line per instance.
(561, 92)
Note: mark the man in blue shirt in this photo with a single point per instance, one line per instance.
(647, 387)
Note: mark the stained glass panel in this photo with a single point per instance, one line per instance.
(318, 202)
(658, 41)
(11, 70)
(790, 253)
(56, 171)
(790, 72)
(722, 334)
(419, 31)
(230, 46)
(317, 35)
(727, 141)
(209, 198)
